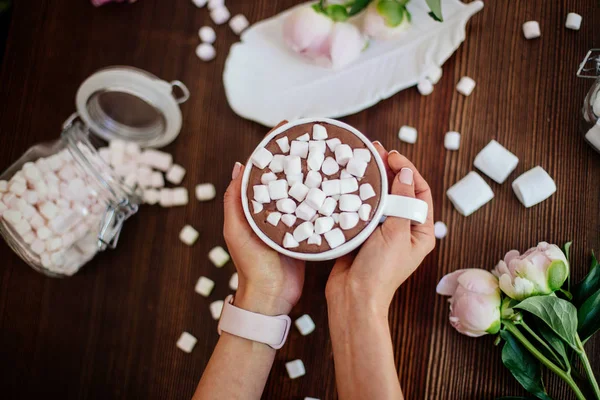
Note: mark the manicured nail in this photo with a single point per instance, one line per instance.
(406, 176)
(236, 170)
(393, 151)
(377, 142)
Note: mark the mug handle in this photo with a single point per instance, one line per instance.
(406, 207)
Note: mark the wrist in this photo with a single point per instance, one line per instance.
(353, 302)
(255, 301)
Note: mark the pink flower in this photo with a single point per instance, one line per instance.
(539, 271)
(375, 25)
(474, 303)
(98, 3)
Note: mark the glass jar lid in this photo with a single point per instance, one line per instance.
(133, 105)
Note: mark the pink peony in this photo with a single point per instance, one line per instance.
(375, 25)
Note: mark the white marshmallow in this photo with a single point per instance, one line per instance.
(199, 3)
(180, 196)
(17, 187)
(186, 342)
(335, 238)
(305, 212)
(165, 198)
(350, 202)
(573, 21)
(343, 154)
(317, 146)
(48, 210)
(348, 220)
(356, 167)
(319, 132)
(151, 196)
(289, 242)
(295, 369)
(531, 30)
(348, 185)
(261, 194)
(157, 159)
(36, 221)
(470, 193)
(315, 160)
(144, 177)
(288, 219)
(303, 231)
(284, 144)
(324, 224)
(328, 207)
(268, 177)
(38, 246)
(425, 87)
(205, 192)
(261, 158)
(345, 174)
(3, 186)
(212, 4)
(292, 165)
(256, 207)
(496, 161)
(22, 227)
(305, 325)
(362, 155)
(238, 24)
(440, 230)
(286, 206)
(206, 52)
(276, 164)
(333, 143)
(331, 187)
(434, 74)
(465, 86)
(158, 180)
(220, 15)
(55, 162)
(314, 239)
(278, 189)
(207, 34)
(315, 198)
(32, 173)
(303, 138)
(293, 179)
(313, 179)
(216, 308)
(408, 134)
(364, 212)
(64, 222)
(273, 218)
(218, 256)
(204, 286)
(299, 149)
(533, 187)
(26, 209)
(299, 191)
(452, 141)
(336, 217)
(53, 244)
(234, 281)
(29, 237)
(330, 166)
(175, 174)
(188, 235)
(366, 191)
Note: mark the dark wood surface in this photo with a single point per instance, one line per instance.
(110, 331)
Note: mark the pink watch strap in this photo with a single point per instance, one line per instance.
(270, 330)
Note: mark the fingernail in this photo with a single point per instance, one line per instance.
(236, 170)
(377, 142)
(406, 176)
(393, 151)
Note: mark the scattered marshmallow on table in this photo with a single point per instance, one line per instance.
(496, 161)
(408, 134)
(440, 230)
(470, 194)
(534, 186)
(305, 325)
(207, 34)
(158, 181)
(186, 342)
(204, 286)
(212, 4)
(175, 174)
(216, 308)
(425, 87)
(157, 159)
(199, 3)
(206, 52)
(180, 197)
(295, 369)
(239, 23)
(151, 196)
(188, 235)
(234, 281)
(220, 15)
(531, 30)
(573, 21)
(452, 141)
(434, 74)
(218, 256)
(205, 192)
(465, 86)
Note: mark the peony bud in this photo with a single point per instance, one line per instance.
(306, 31)
(346, 44)
(376, 25)
(539, 271)
(474, 302)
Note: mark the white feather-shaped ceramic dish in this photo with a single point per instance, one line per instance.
(267, 83)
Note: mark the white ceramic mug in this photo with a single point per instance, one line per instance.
(389, 205)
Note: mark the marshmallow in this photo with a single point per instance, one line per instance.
(157, 159)
(425, 87)
(158, 180)
(261, 158)
(366, 191)
(216, 308)
(328, 207)
(273, 218)
(331, 187)
(440, 230)
(286, 206)
(26, 209)
(199, 3)
(151, 196)
(3, 208)
(362, 155)
(573, 21)
(206, 52)
(175, 174)
(105, 154)
(188, 235)
(452, 141)
(292, 165)
(315, 198)
(22, 227)
(335, 238)
(218, 256)
(315, 160)
(205, 192)
(303, 138)
(465, 86)
(29, 238)
(239, 23)
(305, 212)
(276, 164)
(356, 167)
(343, 154)
(53, 244)
(180, 197)
(17, 187)
(299, 191)
(313, 179)
(212, 4)
(36, 221)
(256, 207)
(364, 212)
(204, 286)
(408, 134)
(330, 166)
(324, 224)
(534, 186)
(207, 34)
(278, 189)
(144, 177)
(261, 194)
(234, 281)
(593, 135)
(317, 146)
(305, 325)
(434, 74)
(38, 246)
(348, 185)
(496, 162)
(165, 198)
(295, 369)
(314, 239)
(336, 217)
(48, 210)
(299, 149)
(293, 179)
(288, 219)
(531, 30)
(186, 341)
(350, 202)
(289, 242)
(348, 220)
(268, 177)
(3, 186)
(319, 132)
(303, 231)
(32, 173)
(470, 193)
(284, 144)
(220, 15)
(345, 174)
(333, 144)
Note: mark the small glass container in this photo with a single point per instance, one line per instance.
(60, 203)
(590, 124)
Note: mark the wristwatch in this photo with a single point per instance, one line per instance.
(270, 330)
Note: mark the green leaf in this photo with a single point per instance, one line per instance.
(358, 6)
(589, 317)
(555, 342)
(558, 314)
(337, 12)
(432, 15)
(589, 284)
(391, 11)
(436, 9)
(526, 369)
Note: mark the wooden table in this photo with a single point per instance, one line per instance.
(110, 331)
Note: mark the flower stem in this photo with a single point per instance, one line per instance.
(566, 368)
(588, 368)
(512, 328)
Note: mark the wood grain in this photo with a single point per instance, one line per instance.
(110, 331)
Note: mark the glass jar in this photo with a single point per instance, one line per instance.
(590, 124)
(60, 202)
